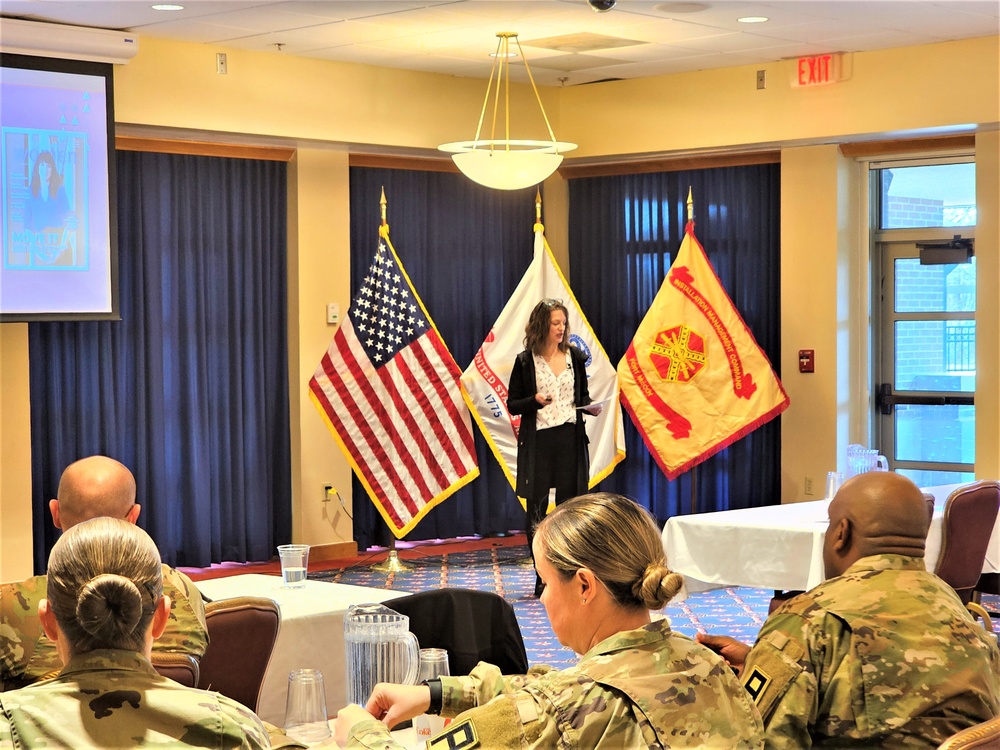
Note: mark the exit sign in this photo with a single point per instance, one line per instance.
(817, 70)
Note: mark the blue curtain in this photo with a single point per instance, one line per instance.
(465, 248)
(190, 388)
(624, 233)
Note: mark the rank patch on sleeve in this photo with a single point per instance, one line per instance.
(456, 737)
(755, 683)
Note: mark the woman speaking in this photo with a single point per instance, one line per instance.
(548, 388)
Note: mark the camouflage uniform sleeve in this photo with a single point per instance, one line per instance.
(255, 736)
(781, 678)
(26, 655)
(186, 631)
(371, 735)
(483, 684)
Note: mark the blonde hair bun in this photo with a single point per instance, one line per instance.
(658, 585)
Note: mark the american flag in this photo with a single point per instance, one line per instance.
(389, 390)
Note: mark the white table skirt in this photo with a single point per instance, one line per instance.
(775, 547)
(311, 634)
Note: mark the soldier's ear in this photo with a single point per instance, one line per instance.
(48, 620)
(161, 616)
(54, 510)
(843, 533)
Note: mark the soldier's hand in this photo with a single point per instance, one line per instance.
(730, 649)
(392, 703)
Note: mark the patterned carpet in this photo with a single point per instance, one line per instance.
(507, 570)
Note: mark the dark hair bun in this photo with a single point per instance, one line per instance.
(109, 607)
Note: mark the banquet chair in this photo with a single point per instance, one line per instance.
(969, 515)
(182, 668)
(472, 626)
(241, 633)
(985, 736)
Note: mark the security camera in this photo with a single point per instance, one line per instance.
(602, 6)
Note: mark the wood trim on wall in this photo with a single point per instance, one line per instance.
(669, 164)
(418, 163)
(907, 146)
(203, 148)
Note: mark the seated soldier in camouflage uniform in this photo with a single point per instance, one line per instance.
(89, 488)
(105, 607)
(881, 654)
(638, 685)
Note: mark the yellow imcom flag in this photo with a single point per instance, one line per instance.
(694, 379)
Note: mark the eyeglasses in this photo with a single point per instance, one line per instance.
(550, 302)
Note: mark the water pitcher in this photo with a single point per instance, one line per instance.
(380, 648)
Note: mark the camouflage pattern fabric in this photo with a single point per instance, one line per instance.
(110, 698)
(883, 656)
(27, 655)
(645, 688)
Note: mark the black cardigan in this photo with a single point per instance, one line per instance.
(521, 400)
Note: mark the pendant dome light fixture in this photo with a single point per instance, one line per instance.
(506, 163)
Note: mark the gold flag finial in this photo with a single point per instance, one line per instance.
(538, 206)
(382, 205)
(690, 204)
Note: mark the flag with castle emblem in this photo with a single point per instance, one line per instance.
(694, 379)
(486, 378)
(389, 390)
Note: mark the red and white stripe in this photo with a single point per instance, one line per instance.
(405, 424)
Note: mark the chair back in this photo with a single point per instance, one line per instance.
(472, 626)
(182, 668)
(969, 515)
(985, 736)
(241, 633)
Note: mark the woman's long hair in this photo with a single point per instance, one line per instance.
(55, 179)
(104, 582)
(537, 330)
(617, 540)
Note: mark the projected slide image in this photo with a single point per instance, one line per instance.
(58, 256)
(45, 175)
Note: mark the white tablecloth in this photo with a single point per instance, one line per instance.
(311, 633)
(776, 547)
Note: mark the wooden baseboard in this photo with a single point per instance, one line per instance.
(336, 551)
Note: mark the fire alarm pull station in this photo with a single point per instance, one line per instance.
(807, 360)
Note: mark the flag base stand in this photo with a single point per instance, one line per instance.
(392, 564)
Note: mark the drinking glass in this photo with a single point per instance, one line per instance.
(305, 707)
(833, 481)
(433, 664)
(294, 564)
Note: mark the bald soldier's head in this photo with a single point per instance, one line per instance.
(92, 487)
(874, 514)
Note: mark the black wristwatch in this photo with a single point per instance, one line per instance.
(436, 696)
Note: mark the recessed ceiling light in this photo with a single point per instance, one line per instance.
(753, 19)
(167, 6)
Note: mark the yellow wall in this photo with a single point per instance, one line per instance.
(327, 109)
(936, 86)
(319, 244)
(15, 450)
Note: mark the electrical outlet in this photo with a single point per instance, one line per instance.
(809, 485)
(328, 493)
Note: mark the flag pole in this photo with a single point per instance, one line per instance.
(391, 564)
(694, 469)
